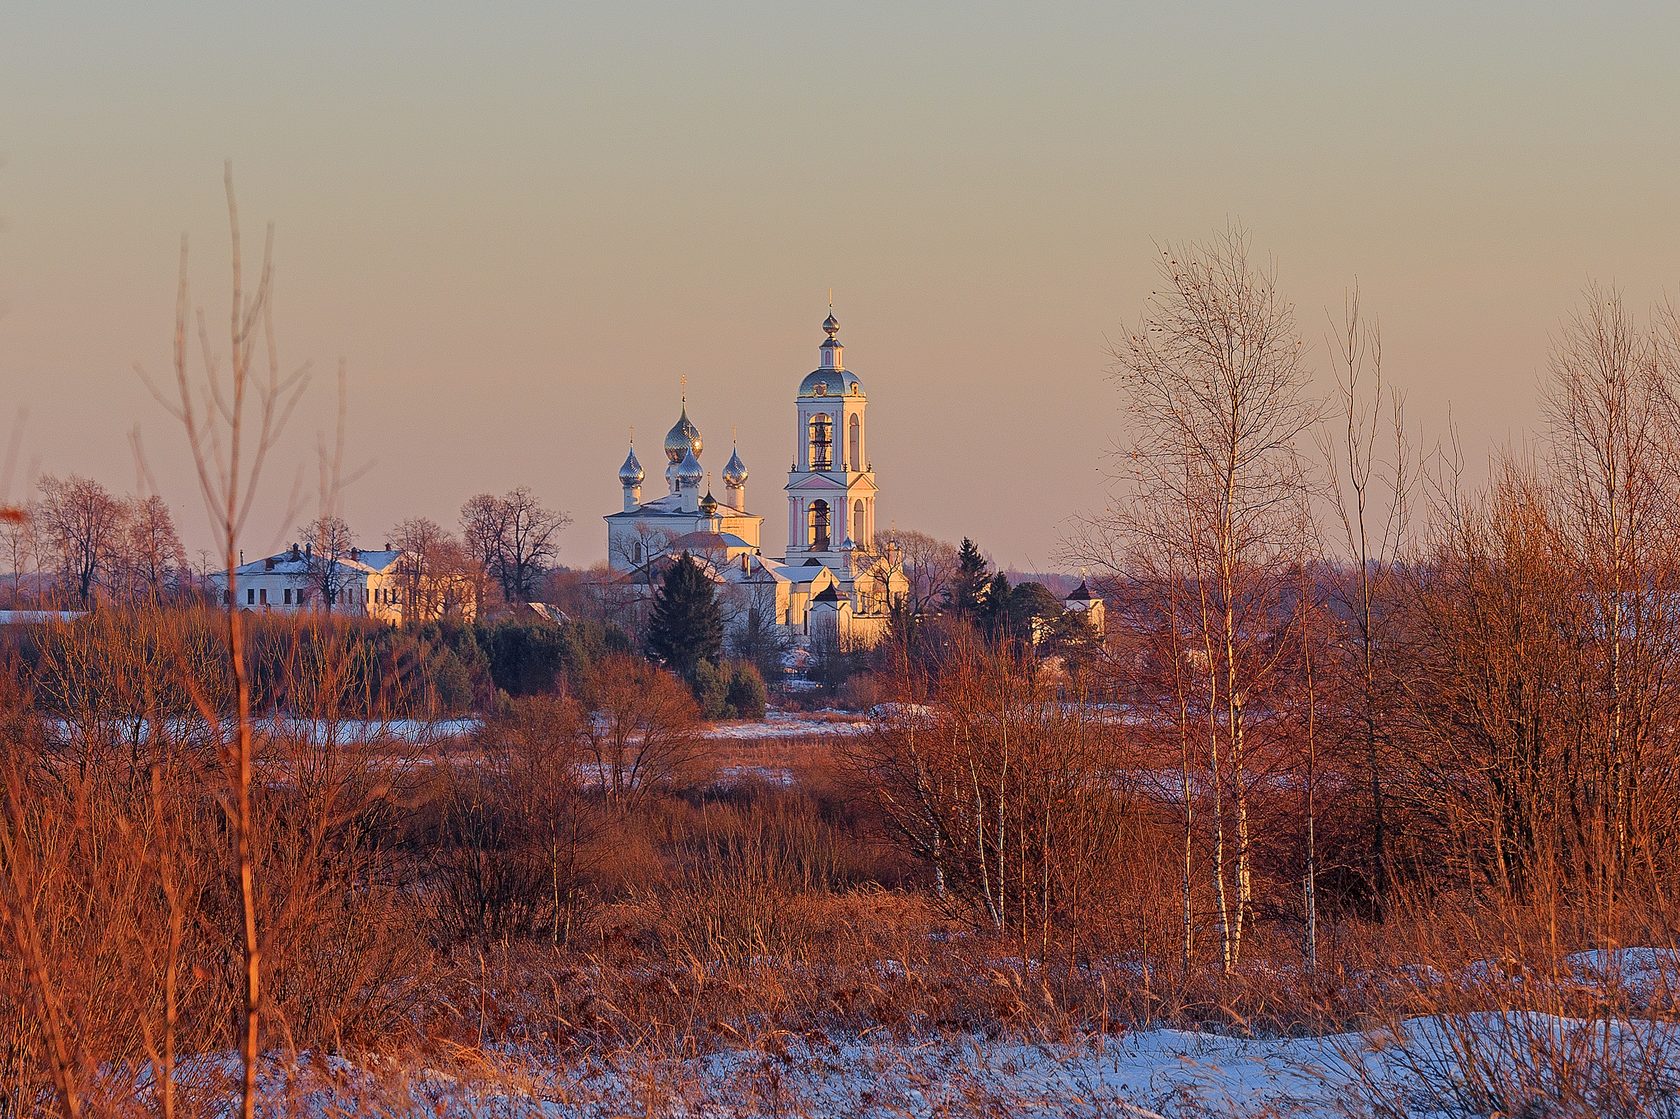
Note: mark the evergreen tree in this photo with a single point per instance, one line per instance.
(968, 586)
(687, 626)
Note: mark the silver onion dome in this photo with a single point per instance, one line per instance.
(689, 469)
(631, 473)
(734, 471)
(683, 438)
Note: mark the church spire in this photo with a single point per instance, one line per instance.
(831, 348)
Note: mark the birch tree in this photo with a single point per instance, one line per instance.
(1215, 379)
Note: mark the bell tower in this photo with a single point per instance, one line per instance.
(831, 483)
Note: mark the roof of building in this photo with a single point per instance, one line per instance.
(830, 593)
(708, 540)
(1081, 593)
(296, 561)
(670, 505)
(830, 382)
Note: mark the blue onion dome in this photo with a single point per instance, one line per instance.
(682, 438)
(631, 473)
(830, 382)
(689, 469)
(734, 471)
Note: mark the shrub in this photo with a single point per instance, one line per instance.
(711, 690)
(747, 697)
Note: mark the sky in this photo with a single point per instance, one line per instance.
(517, 226)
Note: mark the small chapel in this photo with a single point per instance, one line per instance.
(833, 584)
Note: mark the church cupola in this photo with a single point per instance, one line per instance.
(687, 477)
(832, 350)
(630, 476)
(735, 478)
(683, 439)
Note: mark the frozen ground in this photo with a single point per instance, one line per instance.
(1480, 1064)
(788, 724)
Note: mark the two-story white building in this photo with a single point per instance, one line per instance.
(359, 584)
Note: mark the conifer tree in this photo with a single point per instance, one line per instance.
(968, 586)
(687, 625)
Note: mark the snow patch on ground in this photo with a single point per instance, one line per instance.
(1440, 1067)
(787, 724)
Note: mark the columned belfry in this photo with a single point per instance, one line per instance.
(831, 485)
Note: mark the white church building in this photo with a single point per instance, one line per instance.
(832, 583)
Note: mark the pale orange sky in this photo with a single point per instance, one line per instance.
(518, 225)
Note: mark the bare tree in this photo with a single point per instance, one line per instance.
(233, 417)
(153, 561)
(82, 524)
(513, 537)
(643, 733)
(22, 546)
(1371, 490)
(330, 545)
(1615, 490)
(435, 572)
(929, 564)
(642, 545)
(1215, 378)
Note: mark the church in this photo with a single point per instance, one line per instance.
(832, 584)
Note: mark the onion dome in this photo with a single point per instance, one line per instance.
(631, 473)
(688, 470)
(708, 504)
(831, 378)
(734, 471)
(683, 438)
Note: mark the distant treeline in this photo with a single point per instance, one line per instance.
(356, 668)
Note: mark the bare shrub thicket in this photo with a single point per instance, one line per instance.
(126, 922)
(1017, 801)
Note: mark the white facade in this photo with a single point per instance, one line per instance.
(365, 584)
(831, 494)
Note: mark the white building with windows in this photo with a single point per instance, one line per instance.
(831, 573)
(363, 584)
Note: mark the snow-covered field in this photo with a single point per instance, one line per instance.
(1509, 1065)
(1417, 1071)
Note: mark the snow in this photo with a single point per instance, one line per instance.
(786, 724)
(1436, 1067)
(1414, 1072)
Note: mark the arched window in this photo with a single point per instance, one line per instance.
(822, 442)
(636, 552)
(854, 444)
(860, 523)
(818, 525)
